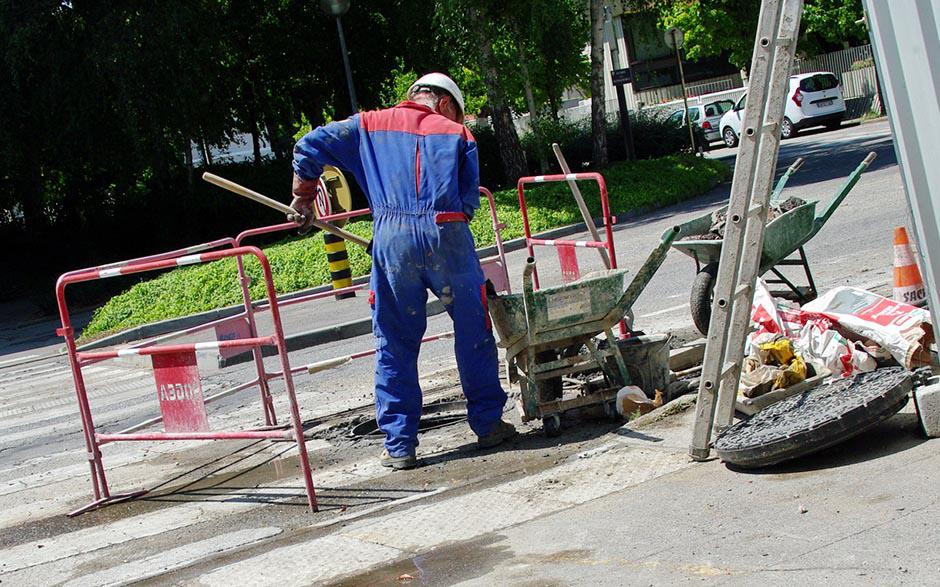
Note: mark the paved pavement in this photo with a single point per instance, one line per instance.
(224, 512)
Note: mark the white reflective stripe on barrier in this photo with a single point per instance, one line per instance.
(207, 346)
(109, 272)
(128, 352)
(188, 260)
(571, 176)
(539, 178)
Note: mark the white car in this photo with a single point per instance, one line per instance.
(709, 123)
(815, 99)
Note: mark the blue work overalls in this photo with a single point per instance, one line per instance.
(420, 173)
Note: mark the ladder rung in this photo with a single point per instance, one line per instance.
(728, 368)
(770, 126)
(742, 290)
(755, 209)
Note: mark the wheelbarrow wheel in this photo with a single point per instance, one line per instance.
(551, 425)
(700, 301)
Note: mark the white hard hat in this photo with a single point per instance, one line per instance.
(439, 80)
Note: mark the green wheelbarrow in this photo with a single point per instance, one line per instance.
(549, 334)
(784, 238)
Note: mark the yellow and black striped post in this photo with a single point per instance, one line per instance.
(340, 273)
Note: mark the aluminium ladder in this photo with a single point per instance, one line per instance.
(755, 167)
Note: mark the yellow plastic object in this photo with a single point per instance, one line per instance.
(339, 193)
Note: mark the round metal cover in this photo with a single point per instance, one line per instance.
(815, 419)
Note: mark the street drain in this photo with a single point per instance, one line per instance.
(433, 416)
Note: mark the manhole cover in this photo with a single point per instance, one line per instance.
(815, 419)
(432, 416)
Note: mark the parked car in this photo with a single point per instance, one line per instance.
(815, 99)
(709, 123)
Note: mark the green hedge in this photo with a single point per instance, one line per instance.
(300, 262)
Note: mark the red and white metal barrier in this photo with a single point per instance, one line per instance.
(179, 391)
(566, 249)
(568, 260)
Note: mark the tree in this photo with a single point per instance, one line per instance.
(715, 27)
(598, 105)
(507, 140)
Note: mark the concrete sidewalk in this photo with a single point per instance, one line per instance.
(863, 513)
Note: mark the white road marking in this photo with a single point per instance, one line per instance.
(172, 560)
(47, 550)
(18, 359)
(665, 311)
(307, 563)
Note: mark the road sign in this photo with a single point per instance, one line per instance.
(179, 391)
(674, 38)
(619, 77)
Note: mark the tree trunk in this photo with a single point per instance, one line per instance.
(529, 96)
(598, 100)
(206, 154)
(507, 141)
(255, 147)
(189, 165)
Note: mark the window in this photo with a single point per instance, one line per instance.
(722, 106)
(819, 82)
(740, 104)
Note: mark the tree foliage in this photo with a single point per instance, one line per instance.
(714, 27)
(103, 101)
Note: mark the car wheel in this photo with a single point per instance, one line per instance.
(787, 130)
(731, 139)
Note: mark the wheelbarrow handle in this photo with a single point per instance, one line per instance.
(775, 197)
(823, 216)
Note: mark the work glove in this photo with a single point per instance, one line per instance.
(304, 192)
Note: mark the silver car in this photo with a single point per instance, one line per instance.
(713, 111)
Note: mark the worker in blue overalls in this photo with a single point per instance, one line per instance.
(417, 164)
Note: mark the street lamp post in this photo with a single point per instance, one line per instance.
(338, 8)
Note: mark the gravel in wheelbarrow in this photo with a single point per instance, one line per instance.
(815, 419)
(720, 218)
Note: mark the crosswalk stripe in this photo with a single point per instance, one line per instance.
(174, 559)
(103, 416)
(56, 370)
(19, 389)
(65, 393)
(14, 360)
(71, 544)
(50, 409)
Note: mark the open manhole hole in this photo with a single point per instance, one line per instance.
(433, 416)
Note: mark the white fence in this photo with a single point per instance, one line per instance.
(837, 62)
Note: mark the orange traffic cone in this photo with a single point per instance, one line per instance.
(908, 284)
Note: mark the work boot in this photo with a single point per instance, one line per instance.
(501, 432)
(408, 461)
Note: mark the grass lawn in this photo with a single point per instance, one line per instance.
(300, 262)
